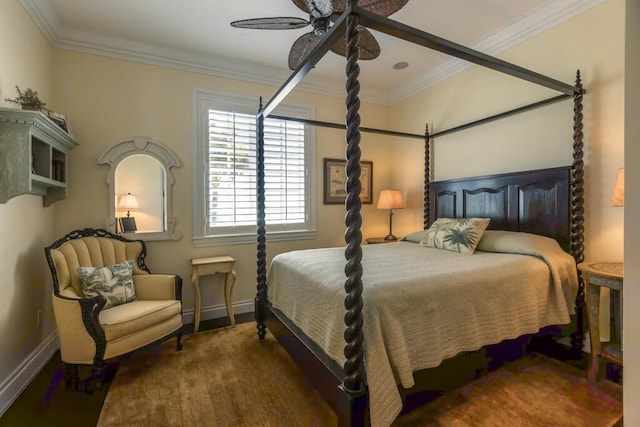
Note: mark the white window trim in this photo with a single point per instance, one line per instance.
(245, 105)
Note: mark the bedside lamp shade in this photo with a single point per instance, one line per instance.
(128, 202)
(618, 191)
(390, 199)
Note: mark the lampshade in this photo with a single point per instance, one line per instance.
(618, 191)
(127, 202)
(390, 199)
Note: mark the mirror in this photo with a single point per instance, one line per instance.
(140, 183)
(140, 187)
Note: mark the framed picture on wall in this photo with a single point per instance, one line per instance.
(127, 224)
(335, 179)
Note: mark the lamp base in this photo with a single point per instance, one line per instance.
(390, 237)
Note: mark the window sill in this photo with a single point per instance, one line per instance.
(201, 241)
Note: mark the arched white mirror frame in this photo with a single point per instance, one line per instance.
(142, 145)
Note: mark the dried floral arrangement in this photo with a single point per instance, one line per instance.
(28, 99)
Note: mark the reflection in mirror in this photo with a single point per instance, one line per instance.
(139, 190)
(140, 183)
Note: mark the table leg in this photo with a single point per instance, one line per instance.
(593, 308)
(229, 282)
(195, 281)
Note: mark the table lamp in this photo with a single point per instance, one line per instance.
(390, 199)
(128, 202)
(618, 191)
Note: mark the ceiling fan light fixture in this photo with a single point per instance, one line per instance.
(320, 26)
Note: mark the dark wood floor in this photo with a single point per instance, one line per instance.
(46, 402)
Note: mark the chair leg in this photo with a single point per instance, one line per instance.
(95, 380)
(71, 376)
(99, 372)
(179, 340)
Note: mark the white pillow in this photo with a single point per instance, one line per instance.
(415, 237)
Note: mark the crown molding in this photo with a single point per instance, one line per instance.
(537, 22)
(47, 21)
(85, 42)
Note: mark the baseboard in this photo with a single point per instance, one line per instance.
(214, 312)
(22, 376)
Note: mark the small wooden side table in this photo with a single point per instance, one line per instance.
(597, 275)
(209, 266)
(375, 240)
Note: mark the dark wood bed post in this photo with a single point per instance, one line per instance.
(261, 296)
(353, 404)
(577, 211)
(427, 176)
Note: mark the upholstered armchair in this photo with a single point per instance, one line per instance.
(111, 310)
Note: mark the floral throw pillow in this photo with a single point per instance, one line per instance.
(114, 282)
(455, 234)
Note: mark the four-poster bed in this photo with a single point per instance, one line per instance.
(548, 202)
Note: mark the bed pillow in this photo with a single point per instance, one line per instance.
(415, 237)
(455, 234)
(515, 242)
(114, 282)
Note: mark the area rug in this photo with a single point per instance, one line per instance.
(227, 377)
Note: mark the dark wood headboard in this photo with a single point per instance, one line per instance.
(533, 201)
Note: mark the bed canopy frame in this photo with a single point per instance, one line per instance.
(352, 394)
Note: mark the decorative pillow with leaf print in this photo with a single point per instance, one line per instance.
(114, 282)
(455, 234)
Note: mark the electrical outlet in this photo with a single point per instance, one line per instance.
(38, 317)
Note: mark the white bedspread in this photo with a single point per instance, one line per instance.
(424, 305)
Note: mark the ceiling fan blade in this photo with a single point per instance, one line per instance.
(301, 49)
(279, 23)
(369, 47)
(317, 8)
(379, 7)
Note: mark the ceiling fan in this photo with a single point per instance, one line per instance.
(322, 14)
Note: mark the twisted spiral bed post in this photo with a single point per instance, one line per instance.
(427, 177)
(577, 209)
(261, 297)
(353, 349)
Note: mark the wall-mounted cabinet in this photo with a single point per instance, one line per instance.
(33, 156)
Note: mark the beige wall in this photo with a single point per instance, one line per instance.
(25, 226)
(631, 214)
(108, 100)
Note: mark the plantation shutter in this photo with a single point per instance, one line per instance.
(232, 194)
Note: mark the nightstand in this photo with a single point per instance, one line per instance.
(209, 266)
(597, 275)
(374, 240)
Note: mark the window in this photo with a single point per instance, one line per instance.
(225, 177)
